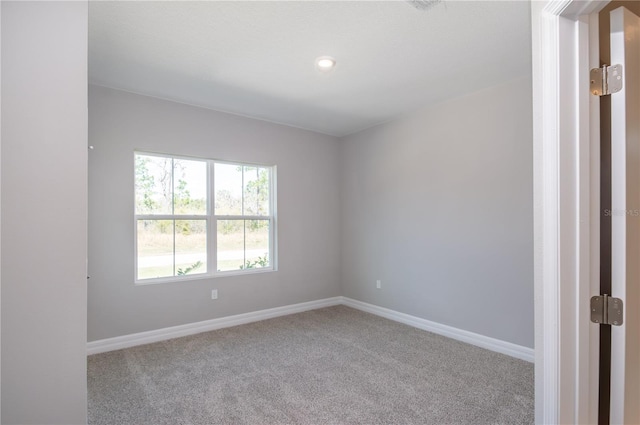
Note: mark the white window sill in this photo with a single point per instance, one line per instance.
(203, 276)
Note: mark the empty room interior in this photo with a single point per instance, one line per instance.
(297, 212)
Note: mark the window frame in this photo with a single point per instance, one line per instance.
(211, 220)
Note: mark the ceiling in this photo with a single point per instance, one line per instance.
(257, 58)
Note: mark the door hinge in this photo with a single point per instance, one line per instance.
(606, 310)
(606, 80)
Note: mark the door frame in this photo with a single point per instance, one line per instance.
(566, 208)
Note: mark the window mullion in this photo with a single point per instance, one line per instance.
(173, 212)
(213, 249)
(242, 217)
(242, 190)
(212, 234)
(171, 217)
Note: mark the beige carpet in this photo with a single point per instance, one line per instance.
(335, 365)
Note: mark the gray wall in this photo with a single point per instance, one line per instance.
(438, 206)
(308, 212)
(44, 212)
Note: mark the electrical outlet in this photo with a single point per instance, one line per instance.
(378, 284)
(214, 294)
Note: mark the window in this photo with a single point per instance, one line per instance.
(197, 217)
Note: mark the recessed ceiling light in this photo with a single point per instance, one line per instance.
(325, 63)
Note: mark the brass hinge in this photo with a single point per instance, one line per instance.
(606, 310)
(606, 80)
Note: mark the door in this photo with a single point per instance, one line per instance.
(625, 218)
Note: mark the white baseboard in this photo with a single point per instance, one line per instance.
(126, 341)
(510, 349)
(132, 340)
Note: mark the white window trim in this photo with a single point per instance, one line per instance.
(211, 219)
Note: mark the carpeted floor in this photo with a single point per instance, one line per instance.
(335, 365)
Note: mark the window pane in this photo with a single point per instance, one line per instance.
(256, 191)
(257, 244)
(177, 188)
(155, 248)
(191, 247)
(230, 250)
(190, 187)
(154, 188)
(228, 189)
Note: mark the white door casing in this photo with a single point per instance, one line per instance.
(566, 202)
